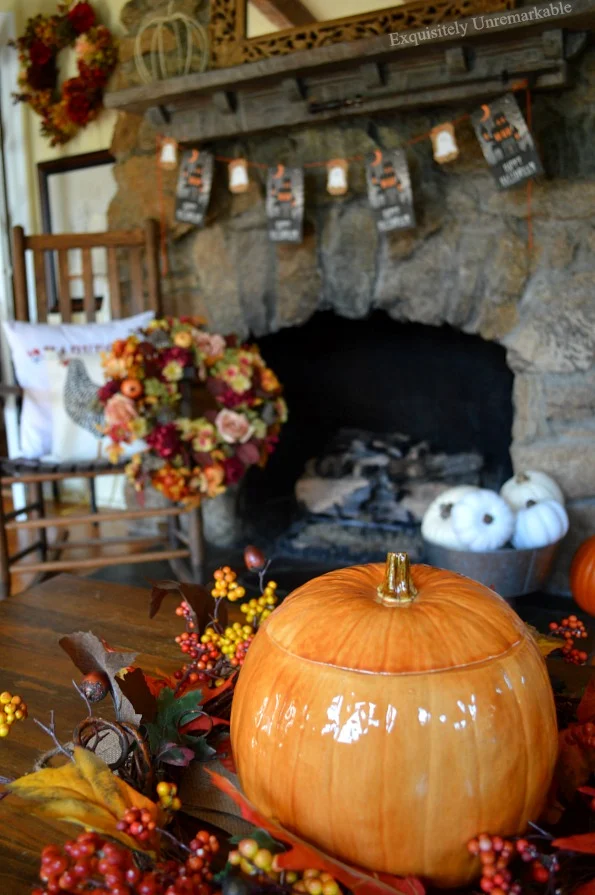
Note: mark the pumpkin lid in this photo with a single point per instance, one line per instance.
(392, 620)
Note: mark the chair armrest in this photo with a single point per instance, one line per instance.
(10, 391)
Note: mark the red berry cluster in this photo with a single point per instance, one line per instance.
(571, 629)
(204, 847)
(90, 864)
(184, 610)
(542, 866)
(582, 735)
(203, 658)
(495, 854)
(137, 824)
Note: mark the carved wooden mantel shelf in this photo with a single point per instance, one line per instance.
(367, 76)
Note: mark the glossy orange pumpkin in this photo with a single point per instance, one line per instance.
(582, 576)
(131, 388)
(391, 716)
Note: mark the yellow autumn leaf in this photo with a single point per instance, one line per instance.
(545, 643)
(86, 792)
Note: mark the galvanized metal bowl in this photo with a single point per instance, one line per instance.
(511, 573)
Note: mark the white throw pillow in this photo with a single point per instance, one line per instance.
(29, 341)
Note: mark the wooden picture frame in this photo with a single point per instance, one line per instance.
(45, 170)
(229, 45)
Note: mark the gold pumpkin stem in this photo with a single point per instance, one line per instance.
(398, 588)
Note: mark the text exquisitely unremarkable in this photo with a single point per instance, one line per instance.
(476, 24)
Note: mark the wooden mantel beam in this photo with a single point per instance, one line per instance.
(284, 13)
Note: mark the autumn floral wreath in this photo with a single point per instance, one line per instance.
(66, 109)
(150, 375)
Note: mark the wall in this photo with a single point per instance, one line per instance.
(99, 134)
(322, 10)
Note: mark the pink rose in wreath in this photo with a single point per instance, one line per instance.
(210, 344)
(233, 427)
(120, 411)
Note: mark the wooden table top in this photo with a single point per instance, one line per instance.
(33, 665)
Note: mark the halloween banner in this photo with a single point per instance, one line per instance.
(285, 204)
(389, 190)
(506, 142)
(194, 187)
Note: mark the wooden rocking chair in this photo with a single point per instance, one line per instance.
(184, 547)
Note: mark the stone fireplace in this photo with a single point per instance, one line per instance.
(466, 264)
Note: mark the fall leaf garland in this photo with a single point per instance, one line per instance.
(179, 725)
(83, 792)
(65, 109)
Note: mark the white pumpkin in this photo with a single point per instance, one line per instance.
(530, 486)
(482, 520)
(436, 525)
(539, 525)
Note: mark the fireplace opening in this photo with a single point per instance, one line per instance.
(360, 385)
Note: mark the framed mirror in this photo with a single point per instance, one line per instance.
(251, 30)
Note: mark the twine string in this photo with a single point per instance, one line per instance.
(529, 113)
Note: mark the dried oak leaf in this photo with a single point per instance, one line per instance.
(197, 596)
(134, 686)
(84, 792)
(301, 855)
(89, 653)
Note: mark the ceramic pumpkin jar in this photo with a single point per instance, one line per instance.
(390, 715)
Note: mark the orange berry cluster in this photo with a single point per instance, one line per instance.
(258, 862)
(168, 796)
(137, 824)
(12, 708)
(226, 585)
(571, 629)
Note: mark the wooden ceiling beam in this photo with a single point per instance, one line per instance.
(284, 13)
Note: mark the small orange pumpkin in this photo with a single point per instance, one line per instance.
(582, 576)
(131, 388)
(390, 716)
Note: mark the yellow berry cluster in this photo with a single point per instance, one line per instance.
(12, 708)
(226, 586)
(316, 883)
(231, 637)
(168, 796)
(253, 860)
(257, 609)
